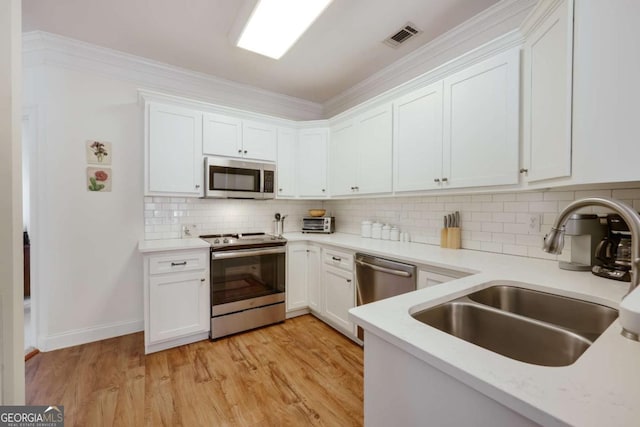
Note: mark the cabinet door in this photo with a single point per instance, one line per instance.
(418, 139)
(481, 131)
(375, 138)
(297, 266)
(339, 296)
(313, 278)
(222, 135)
(286, 163)
(312, 163)
(174, 151)
(343, 155)
(427, 278)
(548, 59)
(178, 305)
(258, 141)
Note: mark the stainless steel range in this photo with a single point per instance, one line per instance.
(247, 281)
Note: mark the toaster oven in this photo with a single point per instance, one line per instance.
(325, 224)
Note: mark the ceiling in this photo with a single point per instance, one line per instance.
(343, 47)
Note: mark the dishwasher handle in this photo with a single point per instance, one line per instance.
(384, 269)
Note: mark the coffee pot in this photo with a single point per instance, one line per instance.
(614, 251)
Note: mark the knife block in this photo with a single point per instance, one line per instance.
(453, 238)
(444, 238)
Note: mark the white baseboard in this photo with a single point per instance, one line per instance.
(298, 312)
(86, 335)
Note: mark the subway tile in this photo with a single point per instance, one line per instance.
(494, 227)
(592, 193)
(471, 244)
(633, 193)
(515, 250)
(482, 236)
(543, 206)
(504, 197)
(492, 207)
(481, 198)
(491, 247)
(528, 240)
(529, 197)
(559, 195)
(481, 216)
(503, 238)
(516, 206)
(504, 217)
(516, 228)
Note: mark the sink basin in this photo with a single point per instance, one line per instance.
(525, 325)
(582, 317)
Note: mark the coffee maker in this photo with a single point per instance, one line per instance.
(614, 251)
(586, 233)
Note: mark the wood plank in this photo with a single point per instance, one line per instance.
(300, 372)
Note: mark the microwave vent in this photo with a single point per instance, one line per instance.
(405, 33)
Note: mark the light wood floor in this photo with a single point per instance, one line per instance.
(297, 373)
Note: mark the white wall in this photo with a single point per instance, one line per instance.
(11, 311)
(89, 273)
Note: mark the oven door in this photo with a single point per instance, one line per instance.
(247, 278)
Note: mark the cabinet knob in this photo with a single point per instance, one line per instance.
(323, 190)
(279, 189)
(436, 180)
(445, 179)
(357, 188)
(348, 280)
(197, 186)
(335, 258)
(239, 151)
(203, 279)
(245, 151)
(523, 170)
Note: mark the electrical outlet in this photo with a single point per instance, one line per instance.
(189, 230)
(534, 223)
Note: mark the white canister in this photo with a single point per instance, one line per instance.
(386, 232)
(394, 234)
(376, 230)
(365, 228)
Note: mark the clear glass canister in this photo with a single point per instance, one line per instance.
(365, 228)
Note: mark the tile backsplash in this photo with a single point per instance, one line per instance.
(164, 217)
(497, 222)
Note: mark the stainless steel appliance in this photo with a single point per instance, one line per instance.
(324, 224)
(238, 179)
(615, 251)
(247, 282)
(586, 232)
(379, 278)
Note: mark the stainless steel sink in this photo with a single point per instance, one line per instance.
(582, 317)
(525, 325)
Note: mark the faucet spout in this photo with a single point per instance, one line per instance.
(554, 241)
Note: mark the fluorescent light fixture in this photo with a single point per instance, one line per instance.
(275, 25)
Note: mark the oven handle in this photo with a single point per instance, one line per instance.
(247, 252)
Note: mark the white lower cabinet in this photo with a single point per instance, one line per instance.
(176, 296)
(339, 297)
(429, 277)
(303, 263)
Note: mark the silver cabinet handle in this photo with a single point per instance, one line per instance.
(436, 180)
(523, 170)
(335, 258)
(246, 252)
(384, 269)
(445, 179)
(175, 264)
(203, 279)
(348, 280)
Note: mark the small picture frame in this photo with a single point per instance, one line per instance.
(98, 152)
(99, 179)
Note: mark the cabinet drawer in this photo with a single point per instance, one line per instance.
(178, 262)
(338, 259)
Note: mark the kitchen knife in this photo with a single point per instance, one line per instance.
(457, 219)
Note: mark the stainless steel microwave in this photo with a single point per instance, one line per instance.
(238, 179)
(325, 224)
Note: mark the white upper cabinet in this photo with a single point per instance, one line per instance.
(548, 63)
(375, 142)
(259, 141)
(233, 137)
(286, 163)
(343, 152)
(312, 163)
(173, 145)
(360, 159)
(417, 141)
(222, 135)
(481, 123)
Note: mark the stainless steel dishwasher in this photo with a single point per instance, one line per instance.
(379, 278)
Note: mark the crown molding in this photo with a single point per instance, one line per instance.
(504, 17)
(539, 14)
(42, 48)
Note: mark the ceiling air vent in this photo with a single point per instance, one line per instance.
(405, 33)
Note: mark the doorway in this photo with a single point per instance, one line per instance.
(29, 139)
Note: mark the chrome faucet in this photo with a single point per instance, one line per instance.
(554, 241)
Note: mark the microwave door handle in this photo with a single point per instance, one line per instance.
(261, 181)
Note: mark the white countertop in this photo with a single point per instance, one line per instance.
(601, 388)
(147, 246)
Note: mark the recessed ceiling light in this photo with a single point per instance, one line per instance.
(275, 25)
